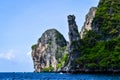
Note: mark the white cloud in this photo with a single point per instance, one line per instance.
(8, 55)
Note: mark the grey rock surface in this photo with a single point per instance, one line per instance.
(49, 50)
(88, 21)
(74, 38)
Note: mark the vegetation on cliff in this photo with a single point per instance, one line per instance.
(48, 51)
(100, 47)
(102, 55)
(107, 19)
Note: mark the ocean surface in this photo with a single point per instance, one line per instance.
(57, 76)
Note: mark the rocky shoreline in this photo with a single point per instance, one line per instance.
(85, 72)
(92, 72)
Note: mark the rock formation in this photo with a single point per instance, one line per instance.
(88, 21)
(107, 19)
(96, 50)
(73, 29)
(74, 37)
(48, 51)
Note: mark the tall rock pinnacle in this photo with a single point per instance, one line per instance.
(73, 37)
(73, 29)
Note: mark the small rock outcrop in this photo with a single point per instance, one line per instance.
(74, 38)
(49, 50)
(88, 21)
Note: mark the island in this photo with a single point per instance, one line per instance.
(96, 48)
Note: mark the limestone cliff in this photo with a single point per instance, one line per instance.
(48, 51)
(101, 44)
(97, 51)
(107, 19)
(74, 38)
(88, 21)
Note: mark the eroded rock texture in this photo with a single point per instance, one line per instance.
(49, 50)
(74, 38)
(88, 21)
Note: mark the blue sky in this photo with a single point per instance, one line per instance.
(22, 22)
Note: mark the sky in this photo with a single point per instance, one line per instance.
(22, 23)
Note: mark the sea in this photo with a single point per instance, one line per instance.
(56, 76)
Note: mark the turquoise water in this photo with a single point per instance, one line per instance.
(56, 76)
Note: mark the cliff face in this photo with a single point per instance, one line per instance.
(73, 29)
(100, 45)
(74, 37)
(107, 19)
(88, 21)
(48, 51)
